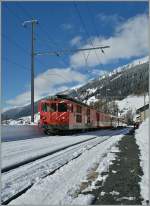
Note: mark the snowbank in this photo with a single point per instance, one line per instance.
(142, 138)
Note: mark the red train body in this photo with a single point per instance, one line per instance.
(63, 114)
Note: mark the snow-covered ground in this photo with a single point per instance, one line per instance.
(23, 120)
(142, 138)
(64, 184)
(17, 151)
(27, 174)
(20, 132)
(132, 103)
(91, 100)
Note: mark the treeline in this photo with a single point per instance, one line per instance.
(118, 86)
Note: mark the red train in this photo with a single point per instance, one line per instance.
(63, 114)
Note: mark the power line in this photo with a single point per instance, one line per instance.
(16, 15)
(61, 52)
(15, 63)
(50, 40)
(26, 52)
(92, 19)
(85, 58)
(20, 47)
(84, 27)
(93, 24)
(15, 43)
(7, 60)
(43, 30)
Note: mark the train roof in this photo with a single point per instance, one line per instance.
(66, 97)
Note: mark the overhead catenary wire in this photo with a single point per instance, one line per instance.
(20, 19)
(44, 31)
(94, 25)
(27, 52)
(15, 43)
(15, 14)
(50, 40)
(84, 27)
(92, 19)
(86, 58)
(19, 46)
(7, 60)
(61, 52)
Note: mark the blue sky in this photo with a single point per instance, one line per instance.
(122, 25)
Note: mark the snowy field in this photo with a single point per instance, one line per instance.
(142, 138)
(60, 187)
(132, 103)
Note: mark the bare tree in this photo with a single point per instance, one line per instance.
(129, 117)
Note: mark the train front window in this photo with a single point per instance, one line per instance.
(44, 107)
(62, 107)
(49, 107)
(53, 107)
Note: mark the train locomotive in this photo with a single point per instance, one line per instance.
(61, 114)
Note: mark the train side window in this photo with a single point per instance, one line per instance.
(62, 107)
(78, 118)
(79, 109)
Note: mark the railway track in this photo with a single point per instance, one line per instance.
(19, 164)
(26, 173)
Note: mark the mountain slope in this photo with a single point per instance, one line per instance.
(131, 79)
(116, 85)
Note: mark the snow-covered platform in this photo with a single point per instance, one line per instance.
(20, 132)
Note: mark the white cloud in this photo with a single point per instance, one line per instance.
(109, 19)
(48, 83)
(76, 41)
(130, 40)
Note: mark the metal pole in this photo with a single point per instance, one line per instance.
(32, 74)
(33, 22)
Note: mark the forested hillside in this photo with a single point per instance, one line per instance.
(131, 79)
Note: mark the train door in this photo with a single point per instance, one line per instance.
(88, 116)
(97, 119)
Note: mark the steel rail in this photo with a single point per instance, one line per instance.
(19, 164)
(5, 202)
